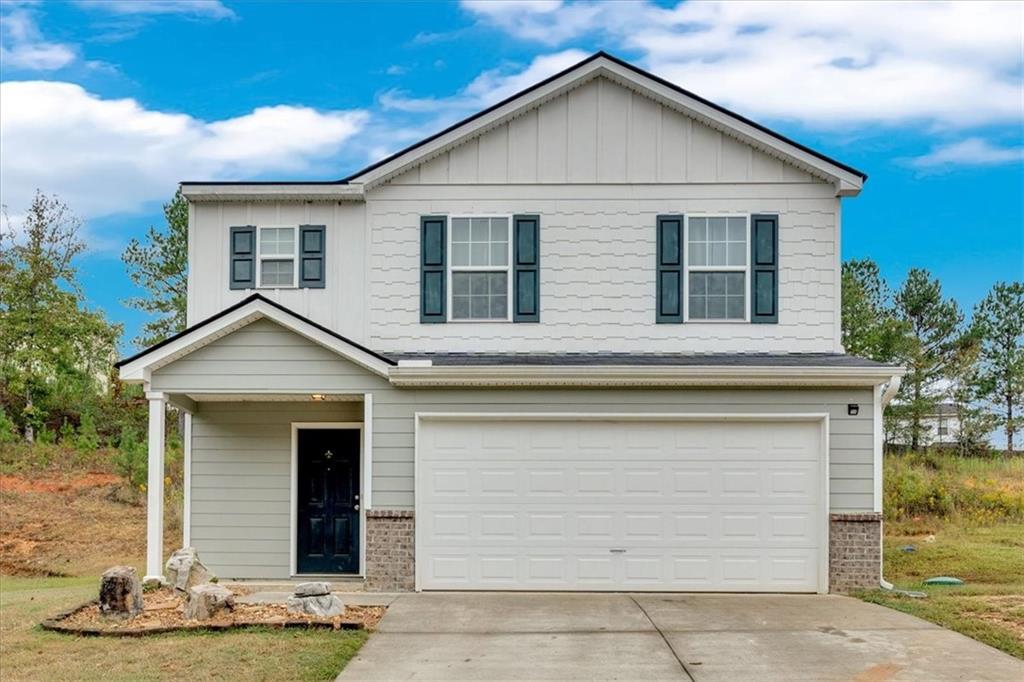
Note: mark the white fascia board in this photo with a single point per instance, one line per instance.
(137, 370)
(250, 192)
(653, 376)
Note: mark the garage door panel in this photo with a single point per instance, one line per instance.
(627, 505)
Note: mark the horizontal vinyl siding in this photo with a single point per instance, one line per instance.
(851, 438)
(264, 357)
(241, 482)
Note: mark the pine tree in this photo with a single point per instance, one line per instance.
(933, 326)
(160, 266)
(999, 319)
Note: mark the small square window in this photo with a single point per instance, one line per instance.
(277, 247)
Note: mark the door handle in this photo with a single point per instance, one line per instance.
(356, 507)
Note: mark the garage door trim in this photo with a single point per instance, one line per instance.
(821, 417)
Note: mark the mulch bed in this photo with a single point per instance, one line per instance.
(163, 611)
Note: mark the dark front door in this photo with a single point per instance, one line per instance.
(328, 501)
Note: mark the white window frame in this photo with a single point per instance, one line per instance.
(687, 268)
(260, 257)
(451, 268)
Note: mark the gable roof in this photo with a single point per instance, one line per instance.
(848, 180)
(245, 312)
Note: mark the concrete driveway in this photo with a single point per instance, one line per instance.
(557, 636)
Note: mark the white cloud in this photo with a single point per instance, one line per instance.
(211, 9)
(823, 64)
(105, 156)
(973, 151)
(22, 47)
(489, 87)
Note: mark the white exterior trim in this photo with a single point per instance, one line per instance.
(293, 497)
(155, 487)
(646, 375)
(186, 522)
(822, 417)
(139, 369)
(367, 466)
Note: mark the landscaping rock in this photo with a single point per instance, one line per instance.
(205, 601)
(184, 570)
(323, 606)
(120, 592)
(317, 589)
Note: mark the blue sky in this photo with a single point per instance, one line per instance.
(109, 104)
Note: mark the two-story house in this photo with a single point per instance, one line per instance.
(586, 339)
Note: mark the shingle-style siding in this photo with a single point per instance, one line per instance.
(241, 482)
(598, 273)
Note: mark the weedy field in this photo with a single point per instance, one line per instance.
(959, 517)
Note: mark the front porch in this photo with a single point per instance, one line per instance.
(253, 483)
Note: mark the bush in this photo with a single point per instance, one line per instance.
(8, 430)
(131, 459)
(976, 490)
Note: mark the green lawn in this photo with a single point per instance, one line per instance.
(30, 653)
(990, 559)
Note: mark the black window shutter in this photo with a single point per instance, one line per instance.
(670, 252)
(312, 253)
(433, 241)
(242, 262)
(526, 268)
(764, 269)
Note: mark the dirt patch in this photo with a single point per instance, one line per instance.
(163, 611)
(1007, 611)
(69, 525)
(57, 484)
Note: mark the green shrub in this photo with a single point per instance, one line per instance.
(131, 459)
(8, 429)
(87, 439)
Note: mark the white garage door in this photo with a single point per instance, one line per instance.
(541, 504)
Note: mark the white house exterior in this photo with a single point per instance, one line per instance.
(587, 339)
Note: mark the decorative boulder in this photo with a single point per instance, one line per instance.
(184, 570)
(322, 606)
(206, 601)
(317, 589)
(120, 592)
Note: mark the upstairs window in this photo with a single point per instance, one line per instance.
(479, 276)
(717, 264)
(277, 255)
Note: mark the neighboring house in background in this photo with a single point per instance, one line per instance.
(587, 339)
(940, 427)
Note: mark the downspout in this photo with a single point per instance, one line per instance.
(888, 393)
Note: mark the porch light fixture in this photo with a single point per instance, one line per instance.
(318, 397)
(853, 409)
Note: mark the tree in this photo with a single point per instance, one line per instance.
(160, 267)
(870, 329)
(933, 326)
(999, 319)
(975, 422)
(50, 343)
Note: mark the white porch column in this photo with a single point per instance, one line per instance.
(155, 487)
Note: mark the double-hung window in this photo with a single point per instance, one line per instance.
(480, 251)
(277, 255)
(717, 267)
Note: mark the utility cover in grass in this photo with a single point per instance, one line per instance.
(943, 580)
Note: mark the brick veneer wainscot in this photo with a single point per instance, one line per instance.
(390, 550)
(854, 551)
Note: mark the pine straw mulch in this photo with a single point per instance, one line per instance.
(163, 611)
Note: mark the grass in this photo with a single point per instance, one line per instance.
(30, 653)
(972, 508)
